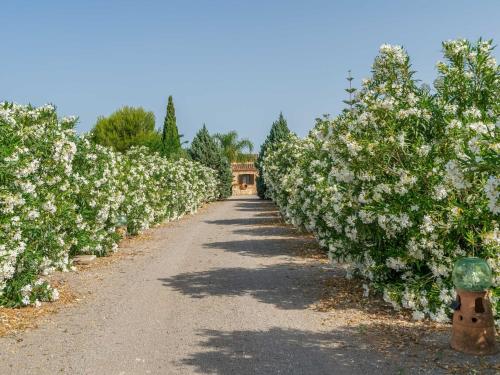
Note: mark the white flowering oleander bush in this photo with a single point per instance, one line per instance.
(62, 195)
(406, 182)
(99, 193)
(173, 188)
(36, 202)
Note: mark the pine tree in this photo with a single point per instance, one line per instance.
(279, 132)
(126, 127)
(171, 143)
(351, 91)
(205, 150)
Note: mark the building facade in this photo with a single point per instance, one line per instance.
(244, 178)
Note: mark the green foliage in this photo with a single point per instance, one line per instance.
(279, 132)
(171, 143)
(405, 183)
(125, 128)
(62, 195)
(205, 150)
(351, 91)
(233, 148)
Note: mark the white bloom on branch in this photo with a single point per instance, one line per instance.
(473, 113)
(424, 150)
(395, 263)
(33, 214)
(418, 315)
(454, 124)
(440, 192)
(492, 191)
(455, 176)
(427, 224)
(440, 316)
(49, 207)
(482, 128)
(54, 295)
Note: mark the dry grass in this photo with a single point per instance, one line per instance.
(394, 334)
(309, 250)
(17, 319)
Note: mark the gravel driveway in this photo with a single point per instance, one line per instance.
(218, 293)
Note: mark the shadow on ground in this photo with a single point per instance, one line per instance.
(362, 339)
(285, 285)
(256, 206)
(279, 230)
(268, 220)
(278, 351)
(264, 247)
(264, 213)
(343, 350)
(242, 198)
(350, 349)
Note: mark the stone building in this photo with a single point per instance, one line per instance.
(244, 178)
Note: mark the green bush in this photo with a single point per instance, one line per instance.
(406, 182)
(62, 195)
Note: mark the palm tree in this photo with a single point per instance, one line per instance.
(232, 147)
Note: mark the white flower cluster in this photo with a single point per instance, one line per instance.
(62, 195)
(406, 182)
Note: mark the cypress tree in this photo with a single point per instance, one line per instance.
(279, 132)
(205, 150)
(171, 143)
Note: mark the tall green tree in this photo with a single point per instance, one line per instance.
(279, 132)
(205, 150)
(126, 127)
(170, 139)
(351, 91)
(234, 148)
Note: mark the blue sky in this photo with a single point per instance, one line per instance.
(229, 64)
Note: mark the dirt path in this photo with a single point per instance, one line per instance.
(220, 292)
